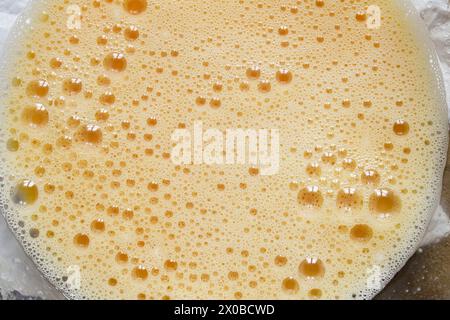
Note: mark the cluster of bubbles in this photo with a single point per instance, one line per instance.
(88, 126)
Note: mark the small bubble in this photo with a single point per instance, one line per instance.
(233, 275)
(290, 285)
(72, 85)
(313, 169)
(121, 257)
(135, 6)
(284, 76)
(113, 211)
(315, 293)
(102, 115)
(283, 31)
(370, 176)
(34, 233)
(140, 273)
(112, 282)
(349, 198)
(253, 171)
(361, 232)
(218, 86)
(36, 115)
(38, 88)
(384, 201)
(310, 196)
(329, 158)
(264, 86)
(102, 40)
(103, 80)
(12, 145)
(361, 16)
(253, 72)
(244, 86)
(312, 268)
(25, 193)
(56, 63)
(74, 40)
(131, 33)
(107, 98)
(280, 261)
(153, 186)
(91, 134)
(215, 103)
(320, 3)
(200, 101)
(98, 225)
(115, 62)
(73, 121)
(388, 146)
(401, 127)
(349, 164)
(128, 214)
(81, 240)
(346, 103)
(152, 122)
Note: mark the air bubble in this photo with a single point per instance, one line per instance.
(312, 268)
(361, 232)
(36, 115)
(81, 240)
(135, 7)
(401, 128)
(140, 273)
(310, 196)
(38, 88)
(284, 76)
(370, 176)
(253, 72)
(25, 193)
(264, 86)
(115, 62)
(98, 225)
(384, 201)
(91, 134)
(349, 198)
(73, 85)
(290, 285)
(131, 33)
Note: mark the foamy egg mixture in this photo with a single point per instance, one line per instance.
(94, 89)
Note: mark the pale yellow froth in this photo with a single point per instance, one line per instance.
(89, 115)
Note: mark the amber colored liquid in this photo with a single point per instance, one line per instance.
(87, 133)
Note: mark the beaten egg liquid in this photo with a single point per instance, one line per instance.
(87, 120)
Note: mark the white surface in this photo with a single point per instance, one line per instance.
(18, 273)
(436, 14)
